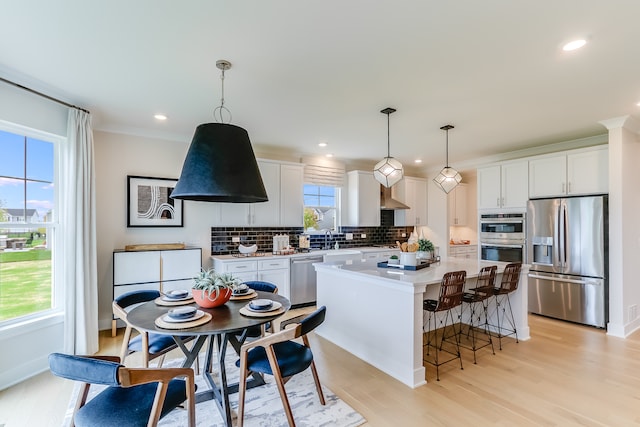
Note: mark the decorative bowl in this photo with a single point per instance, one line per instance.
(247, 249)
(206, 300)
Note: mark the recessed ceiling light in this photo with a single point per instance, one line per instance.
(329, 155)
(638, 103)
(160, 117)
(418, 160)
(322, 144)
(573, 45)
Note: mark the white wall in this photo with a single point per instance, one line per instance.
(117, 156)
(26, 345)
(624, 227)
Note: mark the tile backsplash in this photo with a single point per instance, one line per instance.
(222, 237)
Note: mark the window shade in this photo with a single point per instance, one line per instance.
(324, 175)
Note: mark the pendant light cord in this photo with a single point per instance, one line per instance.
(388, 137)
(218, 111)
(447, 156)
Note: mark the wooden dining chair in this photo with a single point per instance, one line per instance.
(133, 396)
(278, 355)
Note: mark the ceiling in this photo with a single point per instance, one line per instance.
(306, 72)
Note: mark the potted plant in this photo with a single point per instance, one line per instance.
(211, 289)
(425, 249)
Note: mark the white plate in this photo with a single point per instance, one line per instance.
(168, 319)
(274, 306)
(244, 291)
(182, 312)
(167, 299)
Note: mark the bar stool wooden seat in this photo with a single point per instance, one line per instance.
(478, 301)
(450, 298)
(508, 285)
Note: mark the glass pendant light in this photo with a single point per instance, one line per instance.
(388, 171)
(448, 178)
(220, 165)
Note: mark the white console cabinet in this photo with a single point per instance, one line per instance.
(161, 270)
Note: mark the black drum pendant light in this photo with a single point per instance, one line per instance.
(388, 171)
(220, 165)
(448, 178)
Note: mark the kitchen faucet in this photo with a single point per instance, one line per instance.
(328, 235)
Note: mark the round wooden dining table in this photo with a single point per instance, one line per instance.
(227, 324)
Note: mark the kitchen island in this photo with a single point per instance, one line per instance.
(376, 313)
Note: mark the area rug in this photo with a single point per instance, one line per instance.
(263, 407)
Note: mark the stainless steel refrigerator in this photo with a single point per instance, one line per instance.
(567, 249)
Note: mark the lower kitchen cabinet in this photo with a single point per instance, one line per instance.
(463, 251)
(269, 269)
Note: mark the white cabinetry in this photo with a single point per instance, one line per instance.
(363, 205)
(570, 173)
(291, 197)
(463, 251)
(283, 183)
(160, 270)
(413, 193)
(380, 255)
(458, 205)
(504, 185)
(274, 270)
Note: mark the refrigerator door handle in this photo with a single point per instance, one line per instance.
(555, 279)
(562, 234)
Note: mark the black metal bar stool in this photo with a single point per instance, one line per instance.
(450, 298)
(477, 300)
(508, 285)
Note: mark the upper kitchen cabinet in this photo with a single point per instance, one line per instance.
(283, 183)
(291, 195)
(571, 173)
(458, 205)
(504, 186)
(363, 200)
(413, 193)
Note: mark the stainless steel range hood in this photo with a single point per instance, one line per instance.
(389, 203)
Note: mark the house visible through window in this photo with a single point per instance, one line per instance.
(320, 207)
(27, 228)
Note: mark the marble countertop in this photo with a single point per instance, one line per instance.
(319, 252)
(429, 275)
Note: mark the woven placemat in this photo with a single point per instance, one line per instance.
(245, 311)
(182, 325)
(250, 295)
(160, 301)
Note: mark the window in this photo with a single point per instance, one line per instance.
(27, 227)
(320, 207)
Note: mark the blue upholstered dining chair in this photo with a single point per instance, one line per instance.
(278, 355)
(132, 397)
(151, 345)
(257, 285)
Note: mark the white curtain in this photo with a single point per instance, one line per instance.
(78, 215)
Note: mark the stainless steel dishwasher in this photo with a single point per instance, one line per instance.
(303, 279)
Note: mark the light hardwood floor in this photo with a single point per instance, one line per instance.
(565, 375)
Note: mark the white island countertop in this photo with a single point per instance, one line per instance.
(376, 313)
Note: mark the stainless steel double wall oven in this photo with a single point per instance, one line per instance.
(503, 237)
